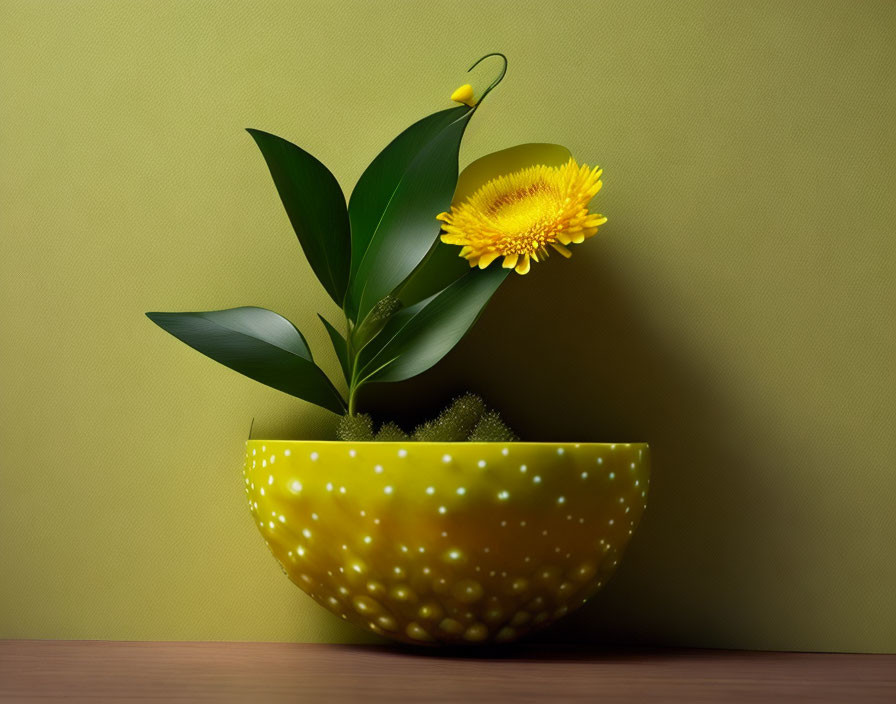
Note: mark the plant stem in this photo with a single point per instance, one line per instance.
(352, 365)
(352, 393)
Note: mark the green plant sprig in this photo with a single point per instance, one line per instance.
(406, 297)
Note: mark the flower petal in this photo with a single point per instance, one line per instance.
(563, 250)
(487, 258)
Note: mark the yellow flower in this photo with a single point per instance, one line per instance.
(519, 215)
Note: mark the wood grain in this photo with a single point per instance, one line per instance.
(101, 671)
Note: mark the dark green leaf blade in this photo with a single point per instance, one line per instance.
(316, 208)
(339, 346)
(436, 328)
(408, 226)
(441, 267)
(377, 184)
(258, 343)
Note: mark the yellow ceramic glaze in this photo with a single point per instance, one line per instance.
(447, 542)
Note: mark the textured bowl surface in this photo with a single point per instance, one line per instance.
(447, 542)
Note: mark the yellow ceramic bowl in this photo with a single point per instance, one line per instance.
(447, 542)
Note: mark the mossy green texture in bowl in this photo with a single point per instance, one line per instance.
(447, 542)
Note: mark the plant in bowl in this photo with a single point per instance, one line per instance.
(455, 531)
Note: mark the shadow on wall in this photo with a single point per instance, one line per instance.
(565, 356)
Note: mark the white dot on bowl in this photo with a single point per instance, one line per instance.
(430, 490)
(560, 450)
(270, 479)
(461, 491)
(287, 453)
(536, 479)
(523, 468)
(481, 463)
(503, 495)
(387, 490)
(442, 509)
(378, 469)
(446, 458)
(402, 453)
(505, 451)
(295, 486)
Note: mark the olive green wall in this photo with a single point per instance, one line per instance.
(737, 311)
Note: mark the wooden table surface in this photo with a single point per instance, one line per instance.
(102, 671)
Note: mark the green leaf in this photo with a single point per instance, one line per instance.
(441, 267)
(340, 346)
(437, 326)
(378, 183)
(258, 343)
(316, 208)
(394, 207)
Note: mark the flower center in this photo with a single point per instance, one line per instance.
(525, 218)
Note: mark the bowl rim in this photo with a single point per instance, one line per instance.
(454, 443)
